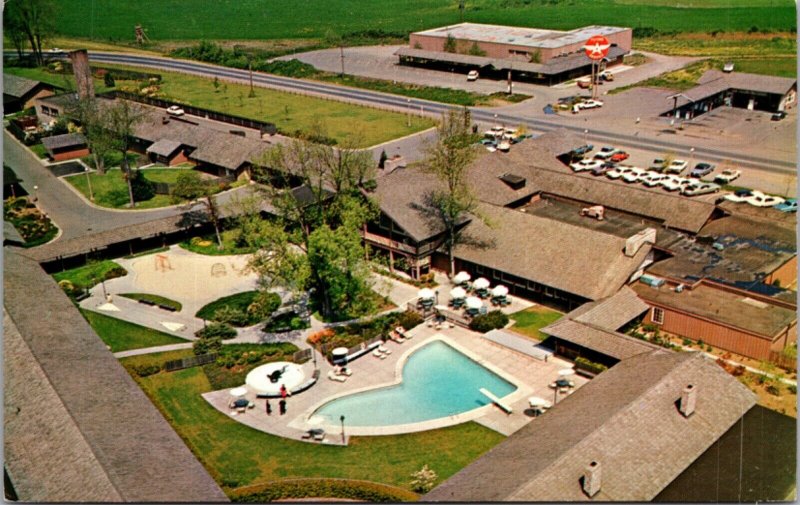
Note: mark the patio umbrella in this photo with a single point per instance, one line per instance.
(481, 283)
(240, 391)
(462, 277)
(426, 294)
(458, 292)
(473, 302)
(565, 372)
(499, 291)
(535, 401)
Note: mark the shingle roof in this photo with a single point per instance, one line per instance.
(109, 441)
(17, 86)
(11, 234)
(613, 312)
(713, 82)
(401, 196)
(164, 147)
(584, 262)
(611, 343)
(626, 419)
(65, 140)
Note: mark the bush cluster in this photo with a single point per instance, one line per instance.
(223, 331)
(145, 370)
(409, 319)
(330, 488)
(590, 366)
(207, 345)
(487, 322)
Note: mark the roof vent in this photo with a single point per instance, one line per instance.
(591, 479)
(515, 182)
(688, 400)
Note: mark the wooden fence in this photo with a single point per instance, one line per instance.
(782, 361)
(191, 361)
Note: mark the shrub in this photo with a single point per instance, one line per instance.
(687, 342)
(207, 345)
(108, 80)
(709, 348)
(590, 366)
(650, 328)
(383, 158)
(774, 389)
(423, 480)
(409, 320)
(223, 331)
(487, 322)
(792, 389)
(701, 343)
(145, 370)
(264, 304)
(318, 488)
(230, 315)
(142, 188)
(320, 336)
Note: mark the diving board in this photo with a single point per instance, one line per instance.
(496, 400)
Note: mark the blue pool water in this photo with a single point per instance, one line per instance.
(438, 381)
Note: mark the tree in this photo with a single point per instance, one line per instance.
(448, 158)
(423, 480)
(108, 80)
(450, 44)
(190, 186)
(94, 125)
(121, 119)
(31, 19)
(14, 30)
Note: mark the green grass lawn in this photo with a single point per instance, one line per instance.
(528, 321)
(236, 455)
(122, 336)
(91, 274)
(239, 301)
(207, 244)
(39, 150)
(65, 81)
(158, 300)
(253, 19)
(111, 190)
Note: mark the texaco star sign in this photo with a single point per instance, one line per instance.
(597, 47)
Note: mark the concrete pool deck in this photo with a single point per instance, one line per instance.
(530, 375)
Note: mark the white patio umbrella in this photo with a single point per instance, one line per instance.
(473, 302)
(535, 401)
(565, 372)
(458, 292)
(461, 277)
(499, 291)
(481, 283)
(240, 391)
(426, 294)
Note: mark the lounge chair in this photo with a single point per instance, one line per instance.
(402, 332)
(319, 435)
(378, 354)
(396, 337)
(384, 350)
(344, 371)
(338, 378)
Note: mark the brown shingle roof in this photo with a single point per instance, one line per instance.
(608, 342)
(164, 147)
(626, 419)
(123, 435)
(613, 312)
(584, 262)
(401, 196)
(65, 140)
(18, 87)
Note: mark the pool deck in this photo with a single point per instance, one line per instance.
(531, 376)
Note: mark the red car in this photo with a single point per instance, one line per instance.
(620, 156)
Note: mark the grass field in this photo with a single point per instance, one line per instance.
(111, 190)
(91, 274)
(529, 321)
(255, 19)
(123, 336)
(236, 455)
(157, 299)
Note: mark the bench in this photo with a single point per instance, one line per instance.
(147, 302)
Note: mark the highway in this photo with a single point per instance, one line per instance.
(401, 103)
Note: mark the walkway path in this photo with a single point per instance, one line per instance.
(151, 350)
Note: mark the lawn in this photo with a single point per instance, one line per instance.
(156, 299)
(39, 150)
(122, 336)
(111, 20)
(529, 321)
(66, 81)
(111, 190)
(90, 274)
(240, 303)
(236, 455)
(207, 244)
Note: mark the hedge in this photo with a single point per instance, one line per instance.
(590, 366)
(323, 488)
(487, 322)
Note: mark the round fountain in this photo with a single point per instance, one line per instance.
(267, 379)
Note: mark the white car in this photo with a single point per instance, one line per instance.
(617, 172)
(676, 166)
(700, 189)
(652, 179)
(605, 153)
(672, 183)
(472, 75)
(727, 176)
(634, 175)
(582, 165)
(174, 110)
(590, 104)
(759, 199)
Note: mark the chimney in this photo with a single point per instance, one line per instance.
(688, 400)
(591, 479)
(83, 74)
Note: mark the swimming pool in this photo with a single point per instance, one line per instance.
(438, 381)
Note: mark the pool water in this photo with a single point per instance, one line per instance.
(438, 381)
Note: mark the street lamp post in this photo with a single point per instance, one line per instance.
(342, 420)
(585, 136)
(36, 193)
(691, 157)
(408, 111)
(89, 183)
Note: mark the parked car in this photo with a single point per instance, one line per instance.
(727, 176)
(676, 166)
(617, 172)
(472, 75)
(701, 189)
(602, 169)
(605, 153)
(620, 156)
(494, 132)
(582, 165)
(672, 183)
(739, 196)
(652, 179)
(659, 164)
(174, 110)
(606, 76)
(790, 205)
(778, 116)
(580, 151)
(590, 104)
(702, 170)
(634, 175)
(759, 199)
(584, 83)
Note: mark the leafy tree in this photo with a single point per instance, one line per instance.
(448, 158)
(33, 20)
(450, 44)
(142, 188)
(191, 186)
(94, 125)
(121, 119)
(108, 80)
(475, 50)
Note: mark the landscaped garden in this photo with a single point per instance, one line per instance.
(238, 456)
(353, 334)
(154, 300)
(528, 322)
(241, 309)
(122, 336)
(34, 227)
(207, 244)
(77, 280)
(111, 189)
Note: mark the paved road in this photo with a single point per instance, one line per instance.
(400, 103)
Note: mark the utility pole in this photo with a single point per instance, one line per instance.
(250, 68)
(510, 84)
(461, 8)
(341, 54)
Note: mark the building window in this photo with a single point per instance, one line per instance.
(657, 315)
(479, 269)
